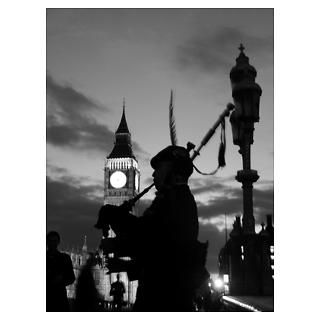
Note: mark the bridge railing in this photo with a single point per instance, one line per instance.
(231, 304)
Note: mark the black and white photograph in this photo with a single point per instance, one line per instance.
(159, 131)
(159, 158)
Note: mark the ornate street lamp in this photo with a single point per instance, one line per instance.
(246, 96)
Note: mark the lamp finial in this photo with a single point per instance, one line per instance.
(241, 48)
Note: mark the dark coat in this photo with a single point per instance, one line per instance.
(59, 275)
(87, 296)
(163, 241)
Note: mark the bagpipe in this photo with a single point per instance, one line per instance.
(118, 246)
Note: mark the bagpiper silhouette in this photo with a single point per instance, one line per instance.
(163, 242)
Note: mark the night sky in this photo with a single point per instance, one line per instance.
(97, 57)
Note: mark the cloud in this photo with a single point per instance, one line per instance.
(210, 51)
(54, 170)
(230, 201)
(71, 120)
(202, 185)
(72, 210)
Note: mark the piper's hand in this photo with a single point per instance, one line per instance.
(126, 206)
(100, 224)
(104, 216)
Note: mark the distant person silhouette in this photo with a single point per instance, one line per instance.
(87, 296)
(163, 242)
(59, 274)
(117, 291)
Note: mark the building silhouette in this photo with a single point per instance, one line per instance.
(248, 259)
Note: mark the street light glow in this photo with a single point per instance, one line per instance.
(218, 283)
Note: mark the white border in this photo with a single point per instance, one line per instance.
(23, 153)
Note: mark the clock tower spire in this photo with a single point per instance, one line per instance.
(121, 172)
(122, 147)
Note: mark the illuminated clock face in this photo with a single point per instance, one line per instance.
(136, 181)
(118, 179)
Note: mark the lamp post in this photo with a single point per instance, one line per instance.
(246, 96)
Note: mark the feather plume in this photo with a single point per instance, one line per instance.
(172, 123)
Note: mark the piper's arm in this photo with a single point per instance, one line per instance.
(118, 217)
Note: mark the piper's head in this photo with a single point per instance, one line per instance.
(171, 165)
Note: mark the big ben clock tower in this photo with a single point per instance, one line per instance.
(121, 182)
(121, 171)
